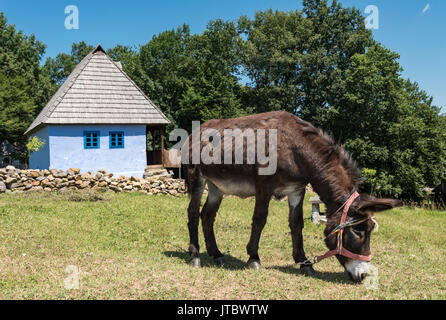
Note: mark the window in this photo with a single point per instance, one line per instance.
(91, 140)
(116, 140)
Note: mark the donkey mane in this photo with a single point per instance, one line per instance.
(330, 156)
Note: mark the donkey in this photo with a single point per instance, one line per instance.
(305, 155)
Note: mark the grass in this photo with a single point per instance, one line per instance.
(133, 246)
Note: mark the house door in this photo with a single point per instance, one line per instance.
(155, 145)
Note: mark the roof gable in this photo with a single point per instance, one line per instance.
(7, 148)
(98, 91)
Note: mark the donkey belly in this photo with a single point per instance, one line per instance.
(240, 188)
(287, 189)
(246, 188)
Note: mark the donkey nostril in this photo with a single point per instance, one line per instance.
(363, 276)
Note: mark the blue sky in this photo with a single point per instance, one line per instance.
(416, 29)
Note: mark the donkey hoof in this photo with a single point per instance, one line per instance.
(220, 261)
(307, 270)
(195, 262)
(254, 264)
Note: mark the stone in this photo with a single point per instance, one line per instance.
(2, 187)
(115, 188)
(16, 185)
(85, 184)
(10, 180)
(75, 170)
(35, 183)
(34, 174)
(136, 185)
(62, 185)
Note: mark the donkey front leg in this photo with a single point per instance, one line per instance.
(258, 222)
(296, 223)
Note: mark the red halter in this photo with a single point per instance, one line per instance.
(340, 230)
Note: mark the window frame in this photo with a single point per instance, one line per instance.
(98, 133)
(116, 137)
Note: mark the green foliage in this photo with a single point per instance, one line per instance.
(24, 89)
(380, 184)
(17, 107)
(390, 125)
(296, 60)
(213, 90)
(34, 144)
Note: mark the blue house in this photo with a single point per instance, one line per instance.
(98, 119)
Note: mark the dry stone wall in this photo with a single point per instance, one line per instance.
(14, 180)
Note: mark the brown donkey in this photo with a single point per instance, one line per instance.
(304, 155)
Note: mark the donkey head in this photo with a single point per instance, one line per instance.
(356, 238)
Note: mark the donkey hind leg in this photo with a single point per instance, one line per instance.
(258, 222)
(193, 212)
(208, 214)
(296, 223)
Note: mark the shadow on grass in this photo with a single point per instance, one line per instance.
(231, 263)
(335, 277)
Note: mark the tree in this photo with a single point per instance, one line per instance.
(390, 126)
(24, 88)
(17, 107)
(213, 90)
(34, 144)
(272, 59)
(296, 60)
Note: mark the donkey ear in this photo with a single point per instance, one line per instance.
(372, 205)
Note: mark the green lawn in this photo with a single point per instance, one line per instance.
(133, 246)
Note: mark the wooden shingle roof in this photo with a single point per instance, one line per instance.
(98, 91)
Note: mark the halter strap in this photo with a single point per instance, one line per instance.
(340, 231)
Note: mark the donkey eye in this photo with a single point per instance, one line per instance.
(358, 232)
